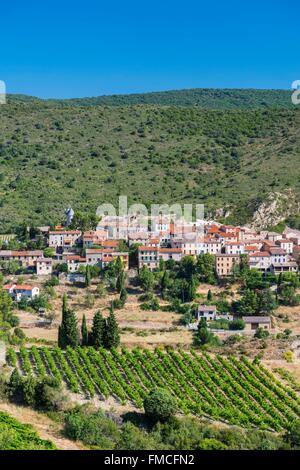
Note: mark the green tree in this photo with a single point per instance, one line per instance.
(206, 268)
(96, 338)
(266, 302)
(287, 295)
(248, 304)
(87, 276)
(209, 296)
(84, 332)
(160, 405)
(112, 335)
(49, 252)
(68, 332)
(146, 279)
(123, 296)
(120, 281)
(84, 221)
(203, 335)
(5, 305)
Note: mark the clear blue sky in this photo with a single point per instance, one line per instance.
(73, 49)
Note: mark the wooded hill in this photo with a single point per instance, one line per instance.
(54, 154)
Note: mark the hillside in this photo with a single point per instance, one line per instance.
(52, 156)
(208, 98)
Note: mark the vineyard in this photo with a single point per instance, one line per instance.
(17, 436)
(231, 390)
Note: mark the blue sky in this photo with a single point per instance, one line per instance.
(73, 49)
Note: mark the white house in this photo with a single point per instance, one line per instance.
(234, 248)
(22, 291)
(43, 266)
(64, 238)
(209, 312)
(260, 260)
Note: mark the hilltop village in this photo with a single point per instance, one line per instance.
(174, 276)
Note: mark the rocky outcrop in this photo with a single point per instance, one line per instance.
(276, 208)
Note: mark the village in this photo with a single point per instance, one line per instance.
(160, 244)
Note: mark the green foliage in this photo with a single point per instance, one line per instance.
(293, 434)
(17, 436)
(261, 333)
(224, 388)
(84, 332)
(236, 324)
(68, 334)
(96, 337)
(87, 276)
(84, 221)
(255, 303)
(206, 269)
(172, 142)
(111, 335)
(92, 428)
(146, 279)
(160, 405)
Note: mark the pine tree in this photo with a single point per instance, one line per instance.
(84, 332)
(112, 335)
(68, 331)
(87, 276)
(96, 337)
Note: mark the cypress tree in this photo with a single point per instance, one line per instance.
(209, 296)
(98, 330)
(84, 332)
(112, 335)
(88, 276)
(118, 266)
(123, 296)
(68, 331)
(120, 281)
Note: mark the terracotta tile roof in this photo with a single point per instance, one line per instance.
(170, 250)
(260, 254)
(65, 232)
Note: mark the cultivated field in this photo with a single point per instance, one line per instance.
(231, 390)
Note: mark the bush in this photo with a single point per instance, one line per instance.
(19, 333)
(261, 333)
(92, 428)
(237, 324)
(159, 405)
(52, 282)
(288, 356)
(293, 435)
(14, 320)
(153, 304)
(212, 444)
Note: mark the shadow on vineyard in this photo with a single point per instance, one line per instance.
(232, 390)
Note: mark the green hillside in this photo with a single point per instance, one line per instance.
(52, 156)
(208, 98)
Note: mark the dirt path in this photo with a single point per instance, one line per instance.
(44, 426)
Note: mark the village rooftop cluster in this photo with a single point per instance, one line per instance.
(115, 237)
